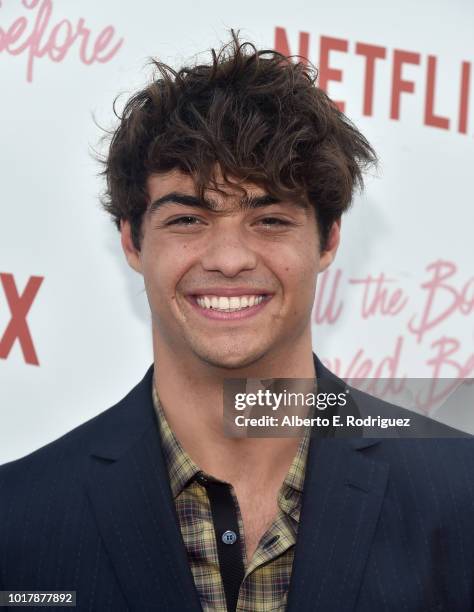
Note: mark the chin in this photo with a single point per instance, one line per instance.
(229, 358)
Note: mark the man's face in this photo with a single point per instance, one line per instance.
(231, 284)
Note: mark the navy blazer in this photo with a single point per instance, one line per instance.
(386, 525)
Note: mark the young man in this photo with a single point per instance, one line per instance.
(228, 182)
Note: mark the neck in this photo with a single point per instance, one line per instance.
(191, 393)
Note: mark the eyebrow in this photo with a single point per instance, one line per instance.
(246, 202)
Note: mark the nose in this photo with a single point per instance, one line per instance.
(228, 250)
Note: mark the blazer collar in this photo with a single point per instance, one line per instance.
(120, 427)
(130, 496)
(342, 500)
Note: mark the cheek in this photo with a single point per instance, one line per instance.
(298, 267)
(158, 277)
(161, 258)
(164, 266)
(298, 277)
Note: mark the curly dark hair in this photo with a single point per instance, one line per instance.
(258, 114)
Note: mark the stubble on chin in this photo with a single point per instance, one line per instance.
(228, 357)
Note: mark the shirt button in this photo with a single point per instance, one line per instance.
(229, 537)
(201, 479)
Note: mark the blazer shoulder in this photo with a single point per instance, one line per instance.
(48, 487)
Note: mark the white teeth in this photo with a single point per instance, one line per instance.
(227, 304)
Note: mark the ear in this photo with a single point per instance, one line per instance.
(327, 256)
(131, 253)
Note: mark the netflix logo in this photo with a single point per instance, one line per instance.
(19, 305)
(375, 58)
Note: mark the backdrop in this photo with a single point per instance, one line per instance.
(74, 322)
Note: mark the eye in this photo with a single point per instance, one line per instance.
(185, 221)
(273, 222)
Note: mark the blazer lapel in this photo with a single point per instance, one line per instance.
(342, 499)
(129, 491)
(341, 503)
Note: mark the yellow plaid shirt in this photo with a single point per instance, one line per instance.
(267, 575)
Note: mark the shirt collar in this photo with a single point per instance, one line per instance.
(181, 468)
(291, 492)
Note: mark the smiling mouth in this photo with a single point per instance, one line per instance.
(229, 304)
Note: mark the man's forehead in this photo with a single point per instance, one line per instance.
(176, 180)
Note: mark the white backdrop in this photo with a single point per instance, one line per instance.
(61, 65)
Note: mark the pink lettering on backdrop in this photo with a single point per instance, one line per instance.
(445, 366)
(441, 287)
(36, 35)
(422, 317)
(378, 297)
(361, 366)
(327, 305)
